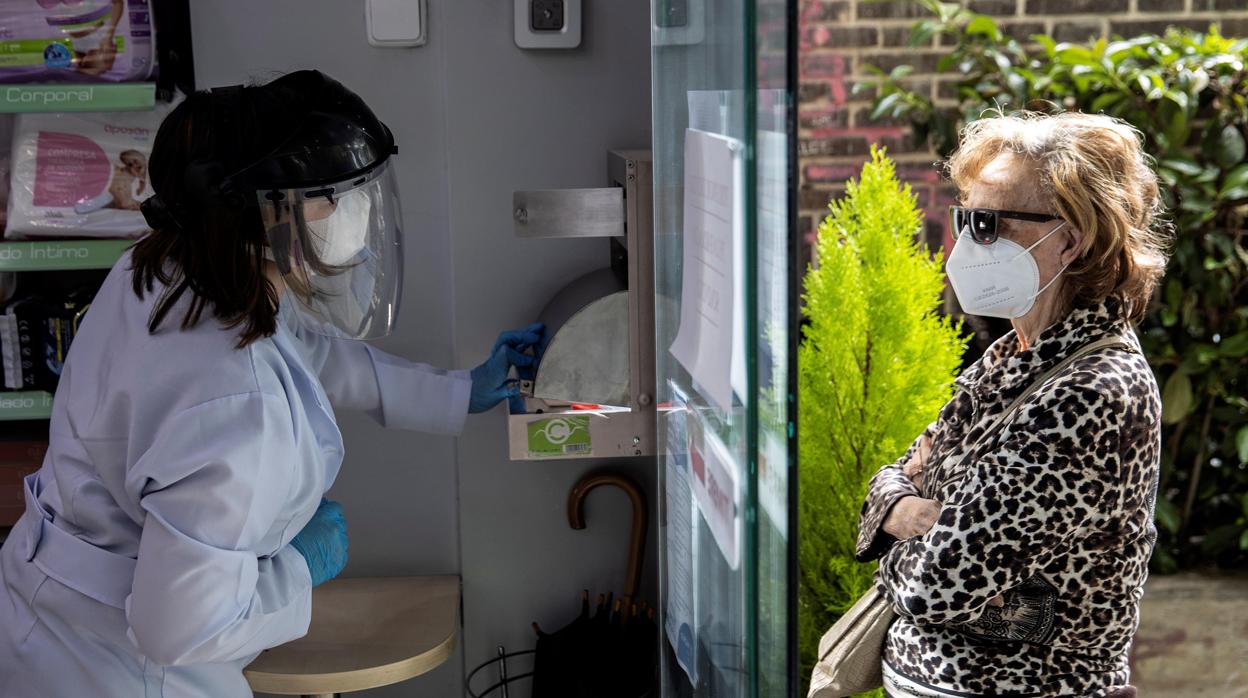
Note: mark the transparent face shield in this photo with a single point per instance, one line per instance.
(339, 250)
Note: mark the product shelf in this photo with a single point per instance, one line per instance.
(61, 255)
(28, 404)
(56, 97)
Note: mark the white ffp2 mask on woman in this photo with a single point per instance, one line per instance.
(339, 237)
(1000, 279)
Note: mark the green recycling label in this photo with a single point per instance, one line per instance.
(560, 436)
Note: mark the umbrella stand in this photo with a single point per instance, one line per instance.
(503, 679)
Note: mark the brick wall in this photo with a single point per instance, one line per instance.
(838, 37)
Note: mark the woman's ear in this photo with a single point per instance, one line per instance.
(1072, 244)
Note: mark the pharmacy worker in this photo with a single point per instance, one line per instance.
(178, 526)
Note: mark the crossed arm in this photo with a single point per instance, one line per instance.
(1019, 507)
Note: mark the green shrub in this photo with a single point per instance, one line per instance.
(1188, 93)
(876, 364)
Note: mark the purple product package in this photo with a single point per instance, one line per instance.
(76, 41)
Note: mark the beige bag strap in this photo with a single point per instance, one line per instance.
(1089, 348)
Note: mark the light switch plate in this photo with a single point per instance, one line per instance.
(678, 22)
(396, 23)
(567, 36)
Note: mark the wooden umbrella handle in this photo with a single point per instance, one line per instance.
(637, 534)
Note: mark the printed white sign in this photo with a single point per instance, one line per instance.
(714, 479)
(681, 629)
(705, 342)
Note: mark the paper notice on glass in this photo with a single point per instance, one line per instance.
(773, 244)
(681, 629)
(713, 110)
(715, 482)
(704, 342)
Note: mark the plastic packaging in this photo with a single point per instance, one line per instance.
(76, 41)
(35, 335)
(80, 175)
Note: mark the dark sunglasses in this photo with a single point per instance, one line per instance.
(983, 221)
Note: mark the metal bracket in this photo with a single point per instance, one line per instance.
(569, 213)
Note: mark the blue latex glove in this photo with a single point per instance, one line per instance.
(491, 381)
(323, 542)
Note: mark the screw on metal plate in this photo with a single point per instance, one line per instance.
(636, 440)
(522, 215)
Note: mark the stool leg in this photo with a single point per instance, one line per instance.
(324, 695)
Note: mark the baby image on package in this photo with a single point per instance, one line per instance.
(80, 175)
(76, 41)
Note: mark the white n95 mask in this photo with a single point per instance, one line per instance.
(999, 279)
(339, 237)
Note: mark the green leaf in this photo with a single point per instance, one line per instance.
(1168, 515)
(1234, 346)
(1235, 194)
(1222, 538)
(1205, 354)
(1173, 292)
(922, 33)
(1241, 445)
(1243, 540)
(1185, 167)
(1231, 147)
(1002, 61)
(948, 11)
(860, 87)
(1173, 114)
(1176, 398)
(1073, 55)
(1163, 561)
(900, 72)
(1235, 181)
(1047, 42)
(981, 25)
(886, 103)
(1179, 98)
(1107, 100)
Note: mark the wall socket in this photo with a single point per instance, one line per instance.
(548, 24)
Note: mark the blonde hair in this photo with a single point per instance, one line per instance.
(1094, 172)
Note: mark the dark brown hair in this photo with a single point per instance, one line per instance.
(207, 241)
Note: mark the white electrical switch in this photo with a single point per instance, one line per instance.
(396, 23)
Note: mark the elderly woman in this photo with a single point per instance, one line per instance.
(1016, 557)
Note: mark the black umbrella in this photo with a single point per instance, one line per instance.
(614, 654)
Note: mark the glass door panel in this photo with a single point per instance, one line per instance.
(725, 279)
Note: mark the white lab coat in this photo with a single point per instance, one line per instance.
(154, 557)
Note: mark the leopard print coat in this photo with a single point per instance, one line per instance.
(1055, 512)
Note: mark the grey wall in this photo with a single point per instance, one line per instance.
(475, 118)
